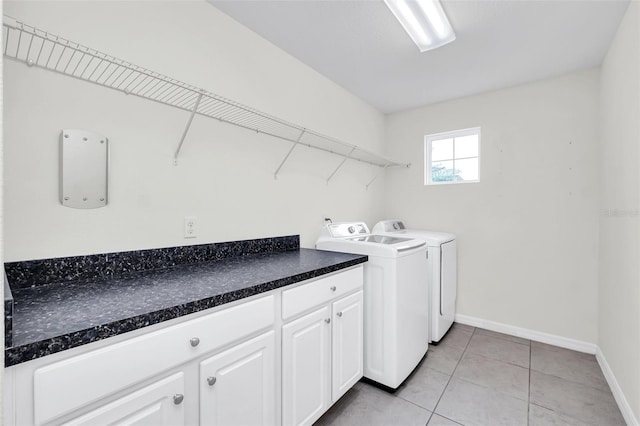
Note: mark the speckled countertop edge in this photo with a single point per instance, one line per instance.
(33, 350)
(8, 313)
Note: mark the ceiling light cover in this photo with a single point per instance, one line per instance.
(424, 21)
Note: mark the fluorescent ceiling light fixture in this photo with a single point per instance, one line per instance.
(424, 21)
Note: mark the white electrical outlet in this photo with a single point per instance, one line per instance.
(190, 227)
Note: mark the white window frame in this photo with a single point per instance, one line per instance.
(428, 139)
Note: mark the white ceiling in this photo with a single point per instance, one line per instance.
(359, 44)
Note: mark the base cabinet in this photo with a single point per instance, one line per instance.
(347, 344)
(322, 358)
(159, 404)
(306, 367)
(281, 358)
(237, 386)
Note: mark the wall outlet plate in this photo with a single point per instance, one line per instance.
(190, 228)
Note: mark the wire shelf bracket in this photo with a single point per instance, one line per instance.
(376, 177)
(186, 129)
(38, 48)
(341, 164)
(284, 160)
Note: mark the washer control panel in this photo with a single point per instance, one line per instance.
(349, 229)
(391, 226)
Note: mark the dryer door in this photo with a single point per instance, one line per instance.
(448, 280)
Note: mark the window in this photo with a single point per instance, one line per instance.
(452, 157)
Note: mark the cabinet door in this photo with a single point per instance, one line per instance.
(155, 405)
(347, 344)
(306, 367)
(237, 386)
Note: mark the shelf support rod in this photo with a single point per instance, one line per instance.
(376, 176)
(186, 129)
(284, 160)
(346, 157)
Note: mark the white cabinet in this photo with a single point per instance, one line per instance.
(99, 381)
(237, 386)
(306, 367)
(347, 342)
(322, 351)
(282, 357)
(159, 404)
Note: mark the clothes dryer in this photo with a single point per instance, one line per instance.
(442, 273)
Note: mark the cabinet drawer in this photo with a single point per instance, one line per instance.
(67, 385)
(306, 296)
(151, 405)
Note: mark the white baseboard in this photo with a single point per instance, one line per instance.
(623, 404)
(564, 342)
(551, 339)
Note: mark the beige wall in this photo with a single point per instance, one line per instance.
(527, 233)
(225, 174)
(619, 295)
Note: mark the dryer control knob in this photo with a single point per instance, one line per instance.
(351, 229)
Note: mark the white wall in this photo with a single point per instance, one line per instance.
(225, 174)
(1, 233)
(619, 296)
(527, 233)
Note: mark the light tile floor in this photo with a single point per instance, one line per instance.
(480, 377)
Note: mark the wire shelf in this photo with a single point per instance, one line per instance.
(39, 48)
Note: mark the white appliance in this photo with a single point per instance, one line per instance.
(396, 332)
(442, 278)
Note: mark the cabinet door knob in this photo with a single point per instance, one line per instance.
(327, 320)
(178, 398)
(195, 341)
(211, 380)
(339, 314)
(333, 288)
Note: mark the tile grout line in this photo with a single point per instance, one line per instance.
(559, 413)
(508, 338)
(393, 395)
(413, 403)
(498, 360)
(571, 381)
(540, 371)
(540, 405)
(565, 415)
(451, 376)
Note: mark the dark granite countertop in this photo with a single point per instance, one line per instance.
(55, 316)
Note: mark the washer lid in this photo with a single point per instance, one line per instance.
(396, 243)
(358, 245)
(432, 238)
(396, 227)
(380, 239)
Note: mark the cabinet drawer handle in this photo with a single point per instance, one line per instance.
(339, 314)
(327, 320)
(178, 398)
(195, 341)
(333, 288)
(211, 380)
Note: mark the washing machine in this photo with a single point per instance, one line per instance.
(441, 277)
(396, 332)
